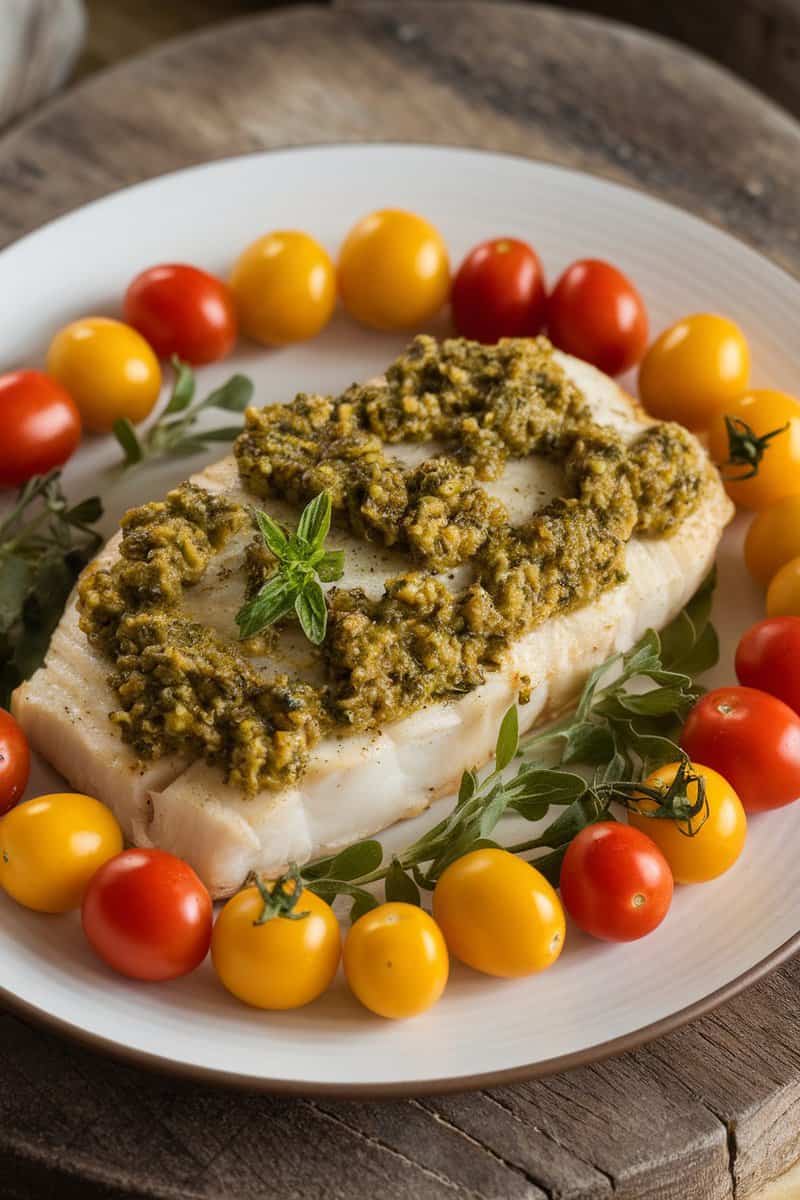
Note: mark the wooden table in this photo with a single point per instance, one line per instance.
(709, 1112)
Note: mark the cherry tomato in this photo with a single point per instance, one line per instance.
(284, 286)
(395, 960)
(693, 368)
(50, 848)
(615, 882)
(595, 313)
(768, 658)
(499, 914)
(718, 837)
(499, 292)
(394, 273)
(773, 538)
(108, 369)
(750, 738)
(181, 310)
(15, 762)
(41, 426)
(147, 915)
(783, 593)
(778, 473)
(281, 964)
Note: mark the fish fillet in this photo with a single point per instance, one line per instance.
(355, 784)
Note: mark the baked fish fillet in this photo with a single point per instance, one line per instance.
(359, 784)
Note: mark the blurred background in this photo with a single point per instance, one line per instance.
(45, 44)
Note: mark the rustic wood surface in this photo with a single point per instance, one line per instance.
(710, 1112)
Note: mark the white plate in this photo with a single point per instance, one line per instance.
(717, 937)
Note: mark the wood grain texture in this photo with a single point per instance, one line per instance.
(710, 1112)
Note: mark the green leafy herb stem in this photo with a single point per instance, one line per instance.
(44, 544)
(302, 566)
(175, 434)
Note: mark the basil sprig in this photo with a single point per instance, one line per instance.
(45, 542)
(303, 564)
(174, 434)
(624, 727)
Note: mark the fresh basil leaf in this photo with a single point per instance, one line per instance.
(312, 612)
(182, 388)
(507, 739)
(360, 859)
(331, 566)
(399, 886)
(275, 600)
(233, 396)
(315, 520)
(467, 788)
(223, 433)
(276, 540)
(587, 743)
(15, 580)
(126, 436)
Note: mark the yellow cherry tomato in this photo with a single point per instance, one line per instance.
(717, 842)
(774, 419)
(284, 286)
(394, 273)
(693, 368)
(783, 593)
(50, 848)
(395, 960)
(283, 963)
(773, 538)
(499, 914)
(108, 368)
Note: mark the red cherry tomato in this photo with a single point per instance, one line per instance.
(40, 425)
(499, 292)
(752, 740)
(615, 882)
(148, 915)
(15, 762)
(596, 313)
(182, 310)
(768, 657)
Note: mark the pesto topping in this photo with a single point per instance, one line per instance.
(181, 688)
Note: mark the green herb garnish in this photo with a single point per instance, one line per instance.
(44, 545)
(175, 434)
(303, 564)
(746, 448)
(631, 709)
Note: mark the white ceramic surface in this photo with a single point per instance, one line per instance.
(596, 993)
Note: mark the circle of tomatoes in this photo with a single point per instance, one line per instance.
(108, 368)
(147, 915)
(615, 882)
(762, 419)
(768, 658)
(182, 310)
(752, 739)
(41, 426)
(596, 313)
(284, 288)
(283, 963)
(51, 847)
(499, 291)
(394, 271)
(15, 762)
(716, 839)
(693, 368)
(499, 914)
(395, 960)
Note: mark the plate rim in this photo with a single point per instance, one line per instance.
(600, 1051)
